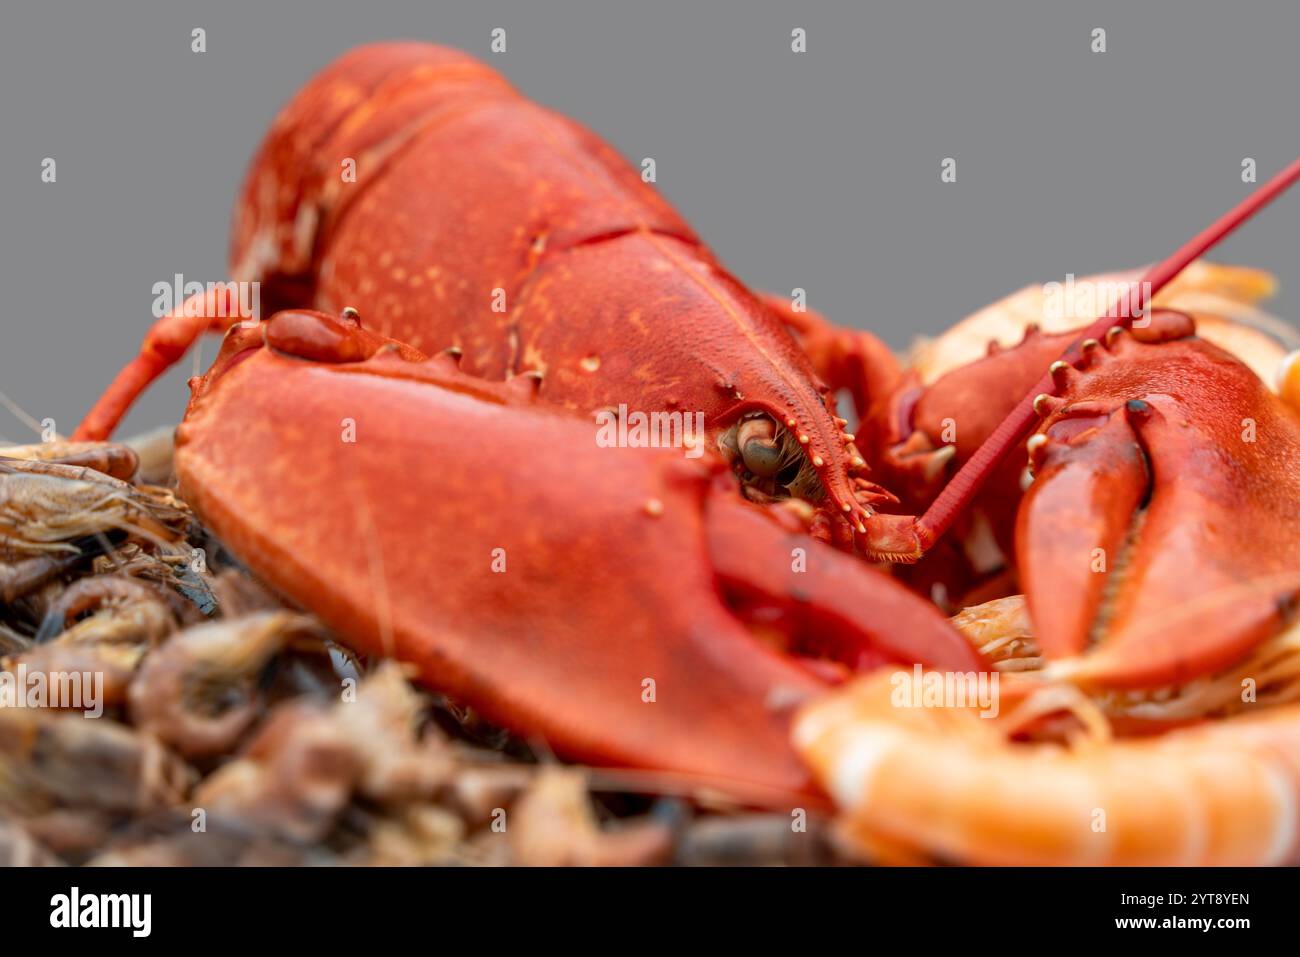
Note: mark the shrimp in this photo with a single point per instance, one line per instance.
(129, 617)
(946, 781)
(197, 691)
(46, 507)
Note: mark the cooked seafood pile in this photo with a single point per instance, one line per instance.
(1034, 602)
(224, 727)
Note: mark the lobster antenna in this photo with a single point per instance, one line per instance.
(21, 414)
(965, 485)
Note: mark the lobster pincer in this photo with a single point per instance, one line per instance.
(1160, 539)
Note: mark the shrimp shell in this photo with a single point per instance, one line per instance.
(945, 781)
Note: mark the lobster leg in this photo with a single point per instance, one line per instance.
(166, 342)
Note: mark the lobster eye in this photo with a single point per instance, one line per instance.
(759, 448)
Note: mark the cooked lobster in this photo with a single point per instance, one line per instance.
(630, 606)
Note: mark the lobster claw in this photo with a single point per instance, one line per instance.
(1160, 539)
(835, 609)
(613, 602)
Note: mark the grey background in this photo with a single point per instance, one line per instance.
(818, 170)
